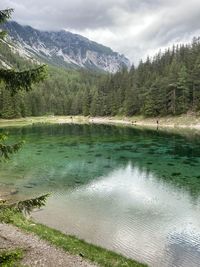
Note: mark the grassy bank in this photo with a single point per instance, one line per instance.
(71, 244)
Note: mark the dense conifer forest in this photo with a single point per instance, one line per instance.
(167, 84)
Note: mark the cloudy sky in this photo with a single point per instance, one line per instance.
(135, 28)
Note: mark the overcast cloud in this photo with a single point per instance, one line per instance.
(135, 28)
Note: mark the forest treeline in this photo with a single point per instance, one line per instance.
(167, 84)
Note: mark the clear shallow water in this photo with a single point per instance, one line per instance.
(129, 190)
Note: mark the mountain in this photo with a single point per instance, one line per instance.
(63, 48)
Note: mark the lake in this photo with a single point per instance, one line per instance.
(133, 191)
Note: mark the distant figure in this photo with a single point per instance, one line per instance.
(157, 124)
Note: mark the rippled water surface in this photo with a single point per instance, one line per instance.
(133, 191)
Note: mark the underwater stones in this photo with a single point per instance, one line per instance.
(176, 157)
(123, 158)
(32, 183)
(106, 167)
(20, 168)
(72, 144)
(186, 162)
(89, 144)
(176, 174)
(14, 192)
(155, 144)
(117, 149)
(66, 145)
(51, 183)
(135, 150)
(194, 160)
(60, 166)
(151, 152)
(190, 162)
(126, 147)
(90, 151)
(78, 182)
(9, 183)
(170, 164)
(146, 145)
(28, 186)
(170, 152)
(98, 155)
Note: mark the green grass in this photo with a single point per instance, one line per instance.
(71, 244)
(10, 258)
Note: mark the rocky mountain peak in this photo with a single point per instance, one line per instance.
(63, 48)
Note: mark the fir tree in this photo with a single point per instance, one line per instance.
(14, 81)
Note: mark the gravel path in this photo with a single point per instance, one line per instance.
(38, 252)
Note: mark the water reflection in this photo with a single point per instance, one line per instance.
(129, 211)
(132, 191)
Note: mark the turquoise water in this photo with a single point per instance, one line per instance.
(129, 190)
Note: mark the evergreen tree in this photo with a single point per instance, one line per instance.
(195, 92)
(14, 81)
(183, 90)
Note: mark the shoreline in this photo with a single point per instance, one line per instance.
(45, 246)
(190, 122)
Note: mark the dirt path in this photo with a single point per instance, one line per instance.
(38, 252)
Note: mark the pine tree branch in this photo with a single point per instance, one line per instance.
(22, 80)
(25, 206)
(7, 150)
(3, 137)
(29, 205)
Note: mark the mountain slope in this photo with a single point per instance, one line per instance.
(64, 48)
